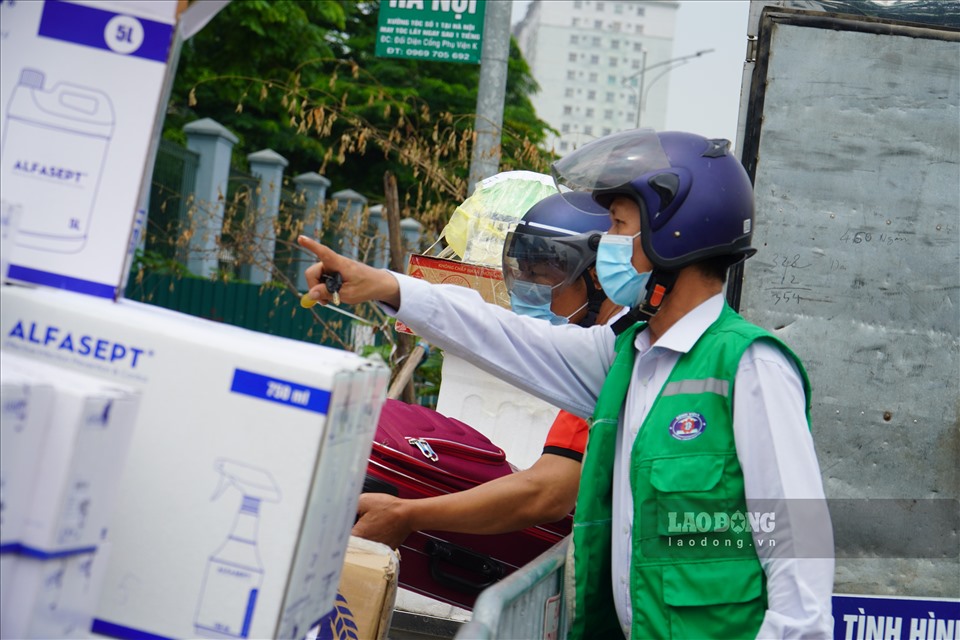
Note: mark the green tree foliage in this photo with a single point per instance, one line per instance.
(300, 77)
(253, 40)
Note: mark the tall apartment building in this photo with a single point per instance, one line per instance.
(588, 57)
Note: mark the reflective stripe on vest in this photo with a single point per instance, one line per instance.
(708, 385)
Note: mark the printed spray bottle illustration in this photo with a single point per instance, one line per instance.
(234, 571)
(55, 144)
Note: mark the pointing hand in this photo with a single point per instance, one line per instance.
(359, 282)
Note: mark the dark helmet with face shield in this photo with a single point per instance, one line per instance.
(695, 198)
(552, 247)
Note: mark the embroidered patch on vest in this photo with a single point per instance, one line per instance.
(687, 426)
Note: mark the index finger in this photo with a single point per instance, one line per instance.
(323, 253)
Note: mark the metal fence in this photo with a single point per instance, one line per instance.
(267, 309)
(171, 188)
(239, 220)
(529, 603)
(243, 280)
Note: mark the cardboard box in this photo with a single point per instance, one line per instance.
(72, 488)
(24, 417)
(485, 280)
(243, 473)
(367, 592)
(81, 85)
(52, 598)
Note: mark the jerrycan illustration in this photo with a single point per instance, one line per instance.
(234, 573)
(54, 146)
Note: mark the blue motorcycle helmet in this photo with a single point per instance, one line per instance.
(695, 198)
(551, 248)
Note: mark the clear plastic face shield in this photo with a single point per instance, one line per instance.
(535, 266)
(610, 162)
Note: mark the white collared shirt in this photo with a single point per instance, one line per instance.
(566, 365)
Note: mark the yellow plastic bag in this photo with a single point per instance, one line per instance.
(479, 226)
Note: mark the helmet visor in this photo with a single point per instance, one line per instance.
(555, 262)
(610, 162)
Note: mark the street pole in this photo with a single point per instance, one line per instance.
(491, 92)
(644, 68)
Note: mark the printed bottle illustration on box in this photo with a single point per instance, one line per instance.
(234, 571)
(54, 147)
(80, 490)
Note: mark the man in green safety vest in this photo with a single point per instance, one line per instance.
(701, 511)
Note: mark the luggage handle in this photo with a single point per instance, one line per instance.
(376, 485)
(432, 447)
(488, 569)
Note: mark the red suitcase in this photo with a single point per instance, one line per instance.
(418, 453)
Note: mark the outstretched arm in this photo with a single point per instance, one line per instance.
(563, 365)
(545, 492)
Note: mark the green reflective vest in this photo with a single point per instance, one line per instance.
(695, 572)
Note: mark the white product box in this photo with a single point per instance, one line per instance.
(80, 89)
(6, 579)
(74, 483)
(53, 598)
(244, 471)
(24, 417)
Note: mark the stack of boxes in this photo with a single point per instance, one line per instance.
(246, 462)
(162, 475)
(64, 437)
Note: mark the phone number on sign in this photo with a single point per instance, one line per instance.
(428, 53)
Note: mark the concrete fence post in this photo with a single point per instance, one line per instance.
(267, 166)
(213, 143)
(410, 231)
(379, 256)
(350, 206)
(312, 190)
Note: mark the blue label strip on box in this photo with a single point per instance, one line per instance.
(127, 35)
(285, 392)
(19, 549)
(60, 281)
(113, 630)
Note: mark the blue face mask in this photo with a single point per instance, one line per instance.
(620, 281)
(535, 302)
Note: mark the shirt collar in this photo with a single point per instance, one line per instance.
(685, 332)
